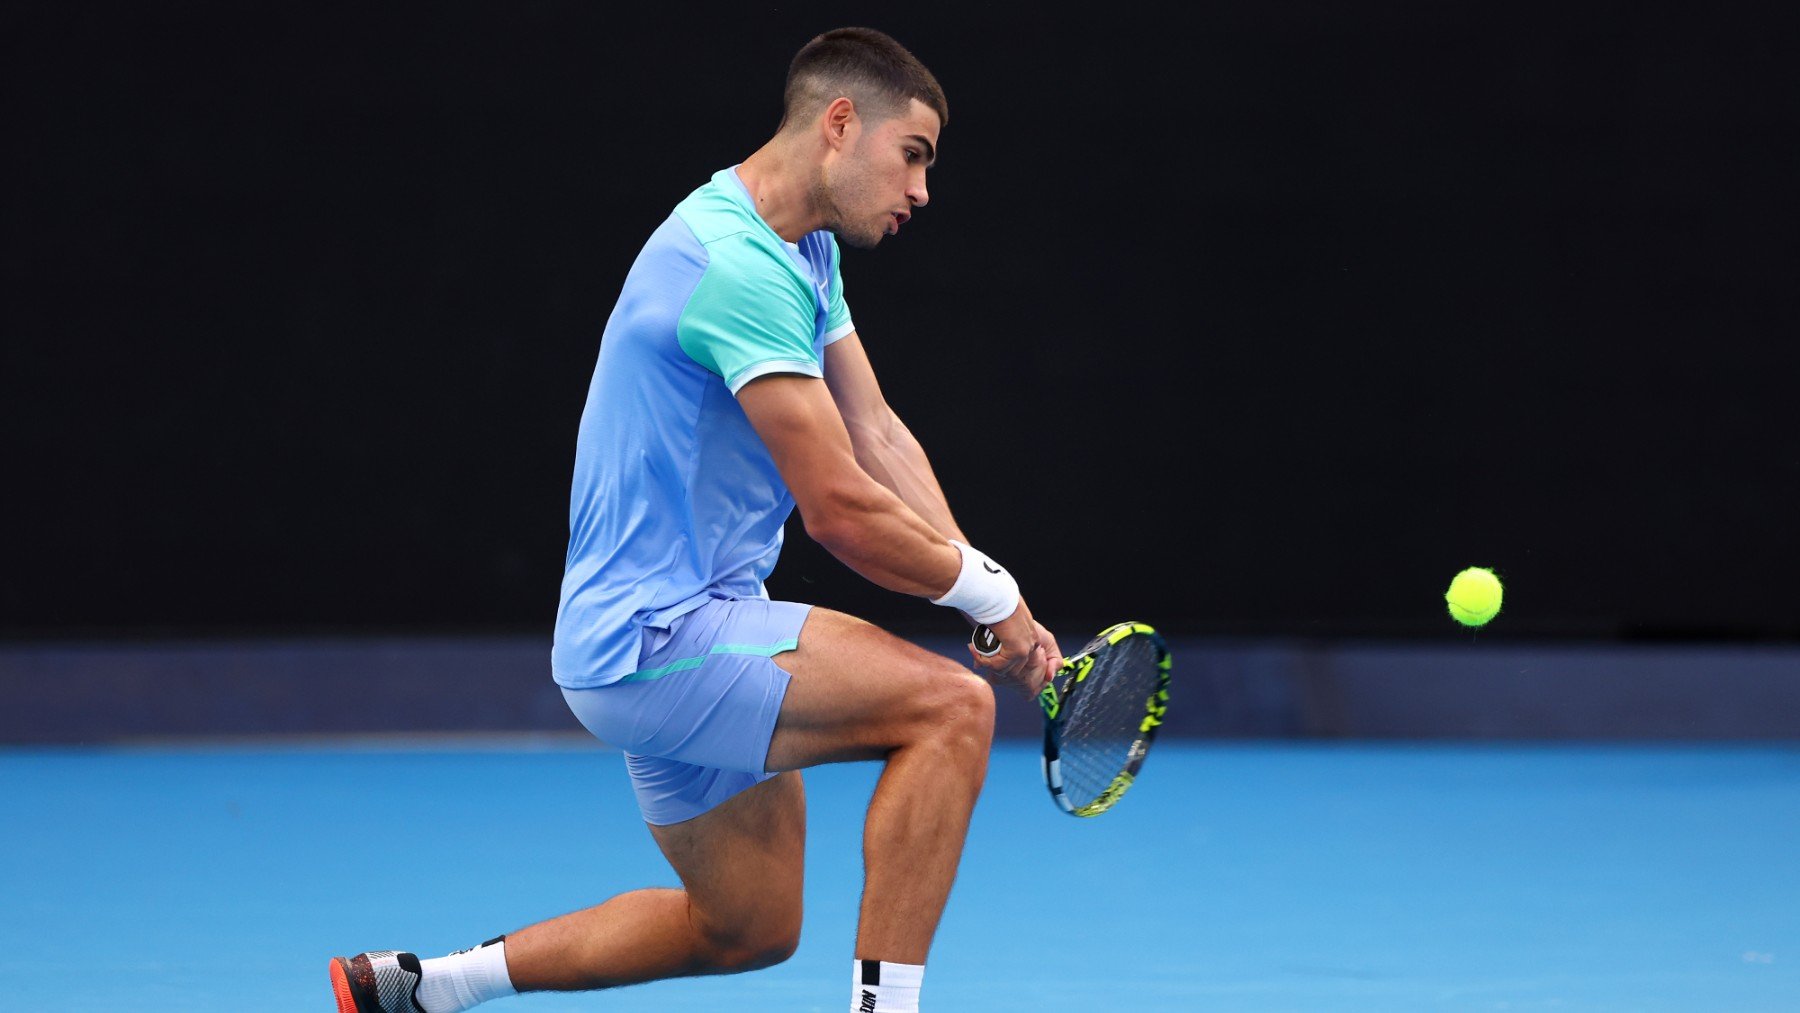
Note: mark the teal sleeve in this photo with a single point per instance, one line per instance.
(749, 316)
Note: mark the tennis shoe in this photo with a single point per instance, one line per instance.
(380, 981)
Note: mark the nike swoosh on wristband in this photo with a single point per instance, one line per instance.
(991, 568)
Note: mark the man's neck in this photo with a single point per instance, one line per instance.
(780, 188)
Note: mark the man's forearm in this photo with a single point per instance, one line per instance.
(894, 458)
(874, 533)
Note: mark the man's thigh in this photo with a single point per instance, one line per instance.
(742, 861)
(857, 692)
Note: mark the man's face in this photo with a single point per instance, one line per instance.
(873, 187)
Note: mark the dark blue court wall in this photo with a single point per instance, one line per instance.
(1250, 319)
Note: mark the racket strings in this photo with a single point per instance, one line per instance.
(1103, 726)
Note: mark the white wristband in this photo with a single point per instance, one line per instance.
(983, 590)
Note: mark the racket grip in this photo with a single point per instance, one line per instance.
(985, 642)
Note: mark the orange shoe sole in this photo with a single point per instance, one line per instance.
(340, 986)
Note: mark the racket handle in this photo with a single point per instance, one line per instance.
(985, 642)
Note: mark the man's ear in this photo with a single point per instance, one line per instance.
(840, 121)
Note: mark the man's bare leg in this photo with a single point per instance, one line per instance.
(741, 867)
(858, 692)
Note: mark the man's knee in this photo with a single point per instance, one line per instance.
(768, 952)
(962, 710)
(751, 950)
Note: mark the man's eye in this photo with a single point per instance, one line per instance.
(911, 155)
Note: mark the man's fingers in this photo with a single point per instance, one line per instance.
(1007, 665)
(1028, 665)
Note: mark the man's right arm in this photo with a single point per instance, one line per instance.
(854, 517)
(857, 519)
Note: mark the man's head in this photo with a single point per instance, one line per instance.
(874, 112)
(867, 66)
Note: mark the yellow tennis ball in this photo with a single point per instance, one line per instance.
(1474, 596)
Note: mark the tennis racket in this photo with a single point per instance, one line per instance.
(1101, 710)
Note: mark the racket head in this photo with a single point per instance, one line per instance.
(1101, 712)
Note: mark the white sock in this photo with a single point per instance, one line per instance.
(465, 978)
(881, 987)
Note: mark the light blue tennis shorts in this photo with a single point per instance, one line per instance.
(695, 719)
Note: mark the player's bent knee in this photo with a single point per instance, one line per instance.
(978, 706)
(753, 953)
(963, 711)
(748, 938)
(773, 951)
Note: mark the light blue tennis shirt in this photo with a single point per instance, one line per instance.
(675, 498)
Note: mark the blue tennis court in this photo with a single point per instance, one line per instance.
(1354, 876)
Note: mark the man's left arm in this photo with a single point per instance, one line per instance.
(887, 450)
(884, 447)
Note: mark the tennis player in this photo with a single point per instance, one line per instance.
(732, 387)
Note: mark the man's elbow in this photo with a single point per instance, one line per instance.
(838, 518)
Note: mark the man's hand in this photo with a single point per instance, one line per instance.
(1028, 654)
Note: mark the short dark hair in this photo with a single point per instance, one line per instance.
(879, 74)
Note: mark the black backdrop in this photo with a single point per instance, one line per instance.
(1262, 318)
